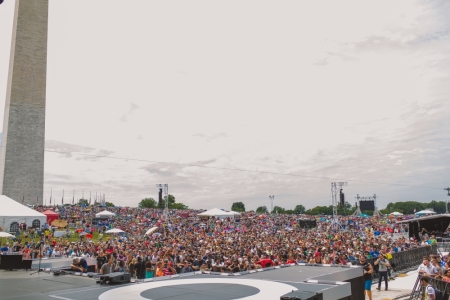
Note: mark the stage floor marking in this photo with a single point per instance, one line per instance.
(267, 289)
(58, 297)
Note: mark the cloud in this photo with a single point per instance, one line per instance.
(211, 137)
(133, 108)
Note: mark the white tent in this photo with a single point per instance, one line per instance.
(396, 213)
(114, 230)
(235, 213)
(215, 212)
(105, 213)
(13, 213)
(425, 212)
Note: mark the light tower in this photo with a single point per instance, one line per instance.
(165, 188)
(271, 197)
(335, 187)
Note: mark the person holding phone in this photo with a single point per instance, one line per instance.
(383, 265)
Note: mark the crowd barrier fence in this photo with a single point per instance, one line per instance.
(405, 261)
(444, 246)
(418, 289)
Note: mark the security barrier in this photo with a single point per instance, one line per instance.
(405, 261)
(444, 246)
(441, 285)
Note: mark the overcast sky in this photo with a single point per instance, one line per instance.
(328, 91)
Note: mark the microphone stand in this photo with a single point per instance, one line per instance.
(40, 259)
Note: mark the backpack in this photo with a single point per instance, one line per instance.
(438, 295)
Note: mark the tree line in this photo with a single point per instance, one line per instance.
(152, 203)
(407, 207)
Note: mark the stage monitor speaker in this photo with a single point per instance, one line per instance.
(117, 277)
(302, 295)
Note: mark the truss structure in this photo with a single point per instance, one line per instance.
(335, 189)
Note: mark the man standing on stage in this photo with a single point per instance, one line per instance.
(368, 270)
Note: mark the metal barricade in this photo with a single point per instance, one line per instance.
(405, 261)
(436, 283)
(444, 246)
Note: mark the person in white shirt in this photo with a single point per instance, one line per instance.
(429, 292)
(426, 269)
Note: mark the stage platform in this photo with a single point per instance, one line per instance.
(267, 284)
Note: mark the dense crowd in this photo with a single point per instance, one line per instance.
(183, 242)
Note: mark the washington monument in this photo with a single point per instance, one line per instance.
(23, 140)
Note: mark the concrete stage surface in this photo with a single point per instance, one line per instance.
(271, 283)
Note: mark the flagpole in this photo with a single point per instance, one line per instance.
(51, 191)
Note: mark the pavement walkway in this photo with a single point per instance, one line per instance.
(397, 287)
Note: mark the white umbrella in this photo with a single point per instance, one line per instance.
(114, 230)
(5, 234)
(151, 230)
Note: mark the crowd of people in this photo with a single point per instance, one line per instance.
(183, 242)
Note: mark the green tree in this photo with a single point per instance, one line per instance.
(109, 204)
(278, 210)
(148, 203)
(262, 209)
(238, 206)
(83, 202)
(178, 206)
(171, 201)
(318, 210)
(299, 209)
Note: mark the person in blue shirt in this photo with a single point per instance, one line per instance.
(374, 252)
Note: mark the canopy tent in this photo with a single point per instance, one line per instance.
(105, 213)
(51, 216)
(215, 212)
(425, 212)
(12, 214)
(114, 230)
(235, 213)
(433, 223)
(396, 213)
